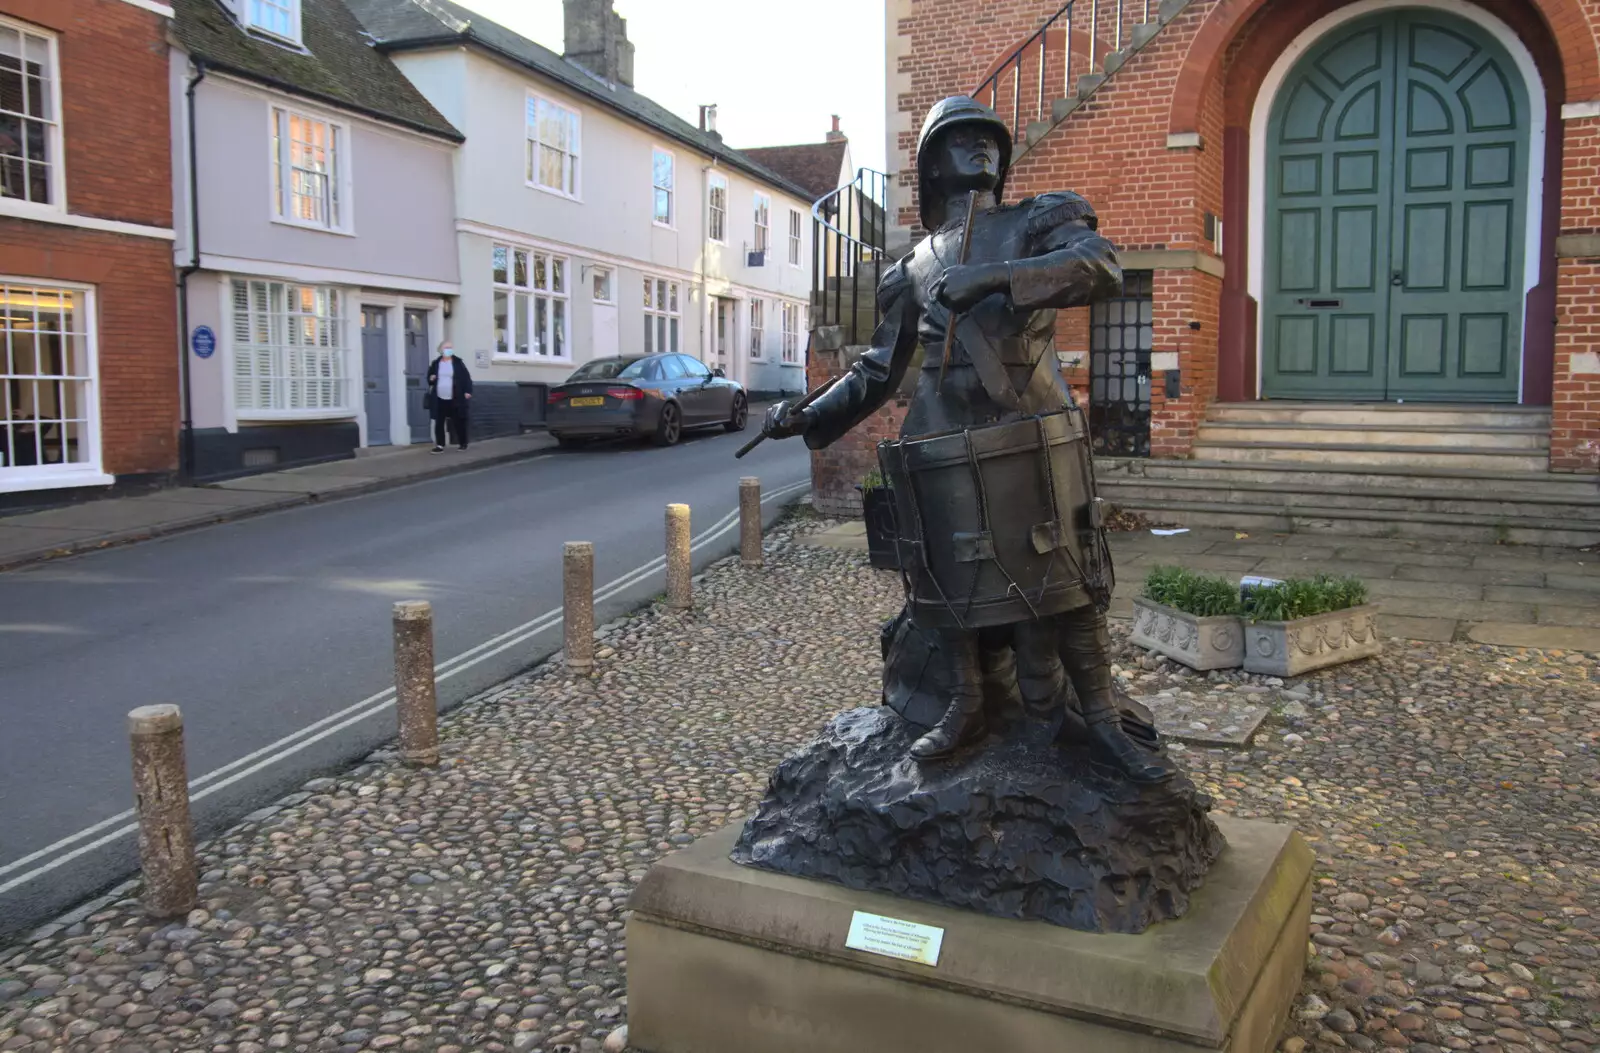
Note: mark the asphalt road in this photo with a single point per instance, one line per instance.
(273, 635)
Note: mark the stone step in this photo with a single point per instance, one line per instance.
(1089, 83)
(1144, 32)
(1360, 523)
(1345, 455)
(1463, 501)
(1389, 435)
(1540, 486)
(1436, 415)
(1171, 9)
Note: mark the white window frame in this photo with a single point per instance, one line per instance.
(717, 215)
(611, 285)
(530, 117)
(793, 322)
(671, 188)
(245, 11)
(277, 352)
(55, 139)
(87, 472)
(667, 318)
(522, 305)
(761, 212)
(340, 182)
(758, 328)
(796, 236)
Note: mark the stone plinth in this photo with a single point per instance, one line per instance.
(731, 959)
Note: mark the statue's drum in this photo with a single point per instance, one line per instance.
(999, 523)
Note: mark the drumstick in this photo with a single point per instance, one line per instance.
(811, 396)
(966, 244)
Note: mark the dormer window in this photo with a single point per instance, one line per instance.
(278, 19)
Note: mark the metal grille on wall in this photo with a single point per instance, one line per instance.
(1121, 333)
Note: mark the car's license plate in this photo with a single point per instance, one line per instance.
(596, 401)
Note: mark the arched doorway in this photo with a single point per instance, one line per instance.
(1399, 163)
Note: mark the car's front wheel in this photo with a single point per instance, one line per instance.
(741, 414)
(669, 428)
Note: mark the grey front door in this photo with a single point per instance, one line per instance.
(375, 373)
(418, 355)
(1396, 172)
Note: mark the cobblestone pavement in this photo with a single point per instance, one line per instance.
(1450, 791)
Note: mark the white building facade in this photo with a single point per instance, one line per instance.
(591, 222)
(316, 236)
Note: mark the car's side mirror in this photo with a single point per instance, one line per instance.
(718, 372)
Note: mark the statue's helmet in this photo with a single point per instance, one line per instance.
(946, 113)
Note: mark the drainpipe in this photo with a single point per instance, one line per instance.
(186, 448)
(708, 315)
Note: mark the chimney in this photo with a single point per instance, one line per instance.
(836, 136)
(597, 40)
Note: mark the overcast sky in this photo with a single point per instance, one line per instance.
(775, 71)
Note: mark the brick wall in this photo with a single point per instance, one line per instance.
(114, 105)
(118, 167)
(1203, 74)
(137, 331)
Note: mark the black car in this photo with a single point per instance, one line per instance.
(643, 395)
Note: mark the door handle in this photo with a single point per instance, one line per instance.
(1397, 280)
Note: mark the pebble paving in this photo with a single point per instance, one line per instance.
(1451, 792)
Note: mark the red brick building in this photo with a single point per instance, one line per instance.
(1374, 219)
(89, 385)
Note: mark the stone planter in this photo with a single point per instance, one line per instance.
(1292, 648)
(1199, 643)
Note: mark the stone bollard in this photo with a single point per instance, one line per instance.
(416, 701)
(577, 562)
(680, 593)
(750, 522)
(161, 793)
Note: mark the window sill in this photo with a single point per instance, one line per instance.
(664, 226)
(553, 192)
(282, 416)
(51, 477)
(530, 360)
(317, 228)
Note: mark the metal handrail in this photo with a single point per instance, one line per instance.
(835, 249)
(1118, 10)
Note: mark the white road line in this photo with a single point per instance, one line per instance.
(213, 781)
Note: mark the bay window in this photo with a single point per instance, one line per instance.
(290, 355)
(661, 315)
(531, 319)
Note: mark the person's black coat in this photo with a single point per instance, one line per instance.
(462, 381)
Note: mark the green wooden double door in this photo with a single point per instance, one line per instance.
(1396, 179)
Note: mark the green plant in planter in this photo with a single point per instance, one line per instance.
(1199, 595)
(1304, 597)
(873, 480)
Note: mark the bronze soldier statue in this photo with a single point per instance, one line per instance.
(998, 522)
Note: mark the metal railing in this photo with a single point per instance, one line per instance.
(1051, 76)
(849, 227)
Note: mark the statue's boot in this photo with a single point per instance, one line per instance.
(1086, 653)
(963, 721)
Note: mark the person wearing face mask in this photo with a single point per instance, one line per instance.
(449, 389)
